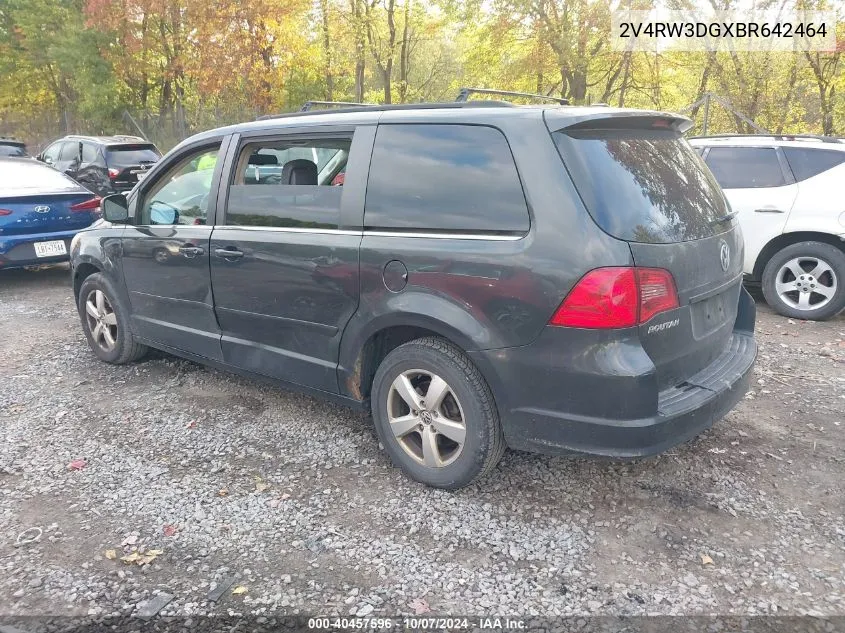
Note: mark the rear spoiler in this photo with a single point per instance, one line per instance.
(604, 119)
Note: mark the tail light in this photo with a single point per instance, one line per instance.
(657, 292)
(89, 205)
(113, 173)
(617, 297)
(5, 212)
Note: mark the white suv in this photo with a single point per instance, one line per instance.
(789, 196)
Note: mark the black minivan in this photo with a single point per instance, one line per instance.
(565, 280)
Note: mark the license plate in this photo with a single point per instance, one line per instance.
(50, 249)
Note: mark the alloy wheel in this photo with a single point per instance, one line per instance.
(102, 321)
(806, 283)
(426, 418)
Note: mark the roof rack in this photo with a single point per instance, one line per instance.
(464, 93)
(779, 137)
(308, 105)
(387, 108)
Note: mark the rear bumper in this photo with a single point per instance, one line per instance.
(608, 404)
(19, 250)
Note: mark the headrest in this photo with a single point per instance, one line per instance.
(263, 159)
(300, 171)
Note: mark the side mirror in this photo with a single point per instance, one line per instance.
(161, 213)
(115, 208)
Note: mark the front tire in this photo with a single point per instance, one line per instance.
(806, 281)
(435, 414)
(105, 321)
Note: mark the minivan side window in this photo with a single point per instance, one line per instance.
(807, 162)
(745, 167)
(181, 194)
(452, 177)
(289, 183)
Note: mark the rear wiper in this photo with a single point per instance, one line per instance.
(724, 218)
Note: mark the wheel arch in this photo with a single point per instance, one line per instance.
(787, 239)
(80, 274)
(361, 358)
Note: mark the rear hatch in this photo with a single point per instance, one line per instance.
(127, 163)
(642, 183)
(37, 199)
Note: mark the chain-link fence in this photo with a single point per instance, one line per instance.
(169, 128)
(38, 129)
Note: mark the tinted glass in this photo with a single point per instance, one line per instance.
(268, 191)
(89, 153)
(129, 155)
(451, 177)
(12, 150)
(33, 175)
(291, 206)
(70, 151)
(745, 167)
(806, 163)
(643, 185)
(184, 188)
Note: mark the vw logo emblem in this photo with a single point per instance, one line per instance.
(42, 208)
(724, 255)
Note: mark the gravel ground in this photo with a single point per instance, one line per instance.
(207, 478)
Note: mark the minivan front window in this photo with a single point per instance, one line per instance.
(643, 185)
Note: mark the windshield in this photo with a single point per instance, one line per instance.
(129, 155)
(644, 185)
(32, 175)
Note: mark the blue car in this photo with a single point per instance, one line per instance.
(40, 212)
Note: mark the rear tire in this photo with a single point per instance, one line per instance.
(454, 438)
(105, 321)
(806, 281)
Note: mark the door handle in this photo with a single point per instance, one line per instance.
(190, 251)
(228, 253)
(769, 210)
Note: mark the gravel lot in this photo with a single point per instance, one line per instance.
(292, 499)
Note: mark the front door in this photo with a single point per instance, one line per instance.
(166, 254)
(284, 266)
(69, 158)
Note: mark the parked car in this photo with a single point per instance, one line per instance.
(620, 326)
(12, 147)
(103, 164)
(40, 211)
(787, 193)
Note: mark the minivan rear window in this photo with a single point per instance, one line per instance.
(643, 185)
(129, 155)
